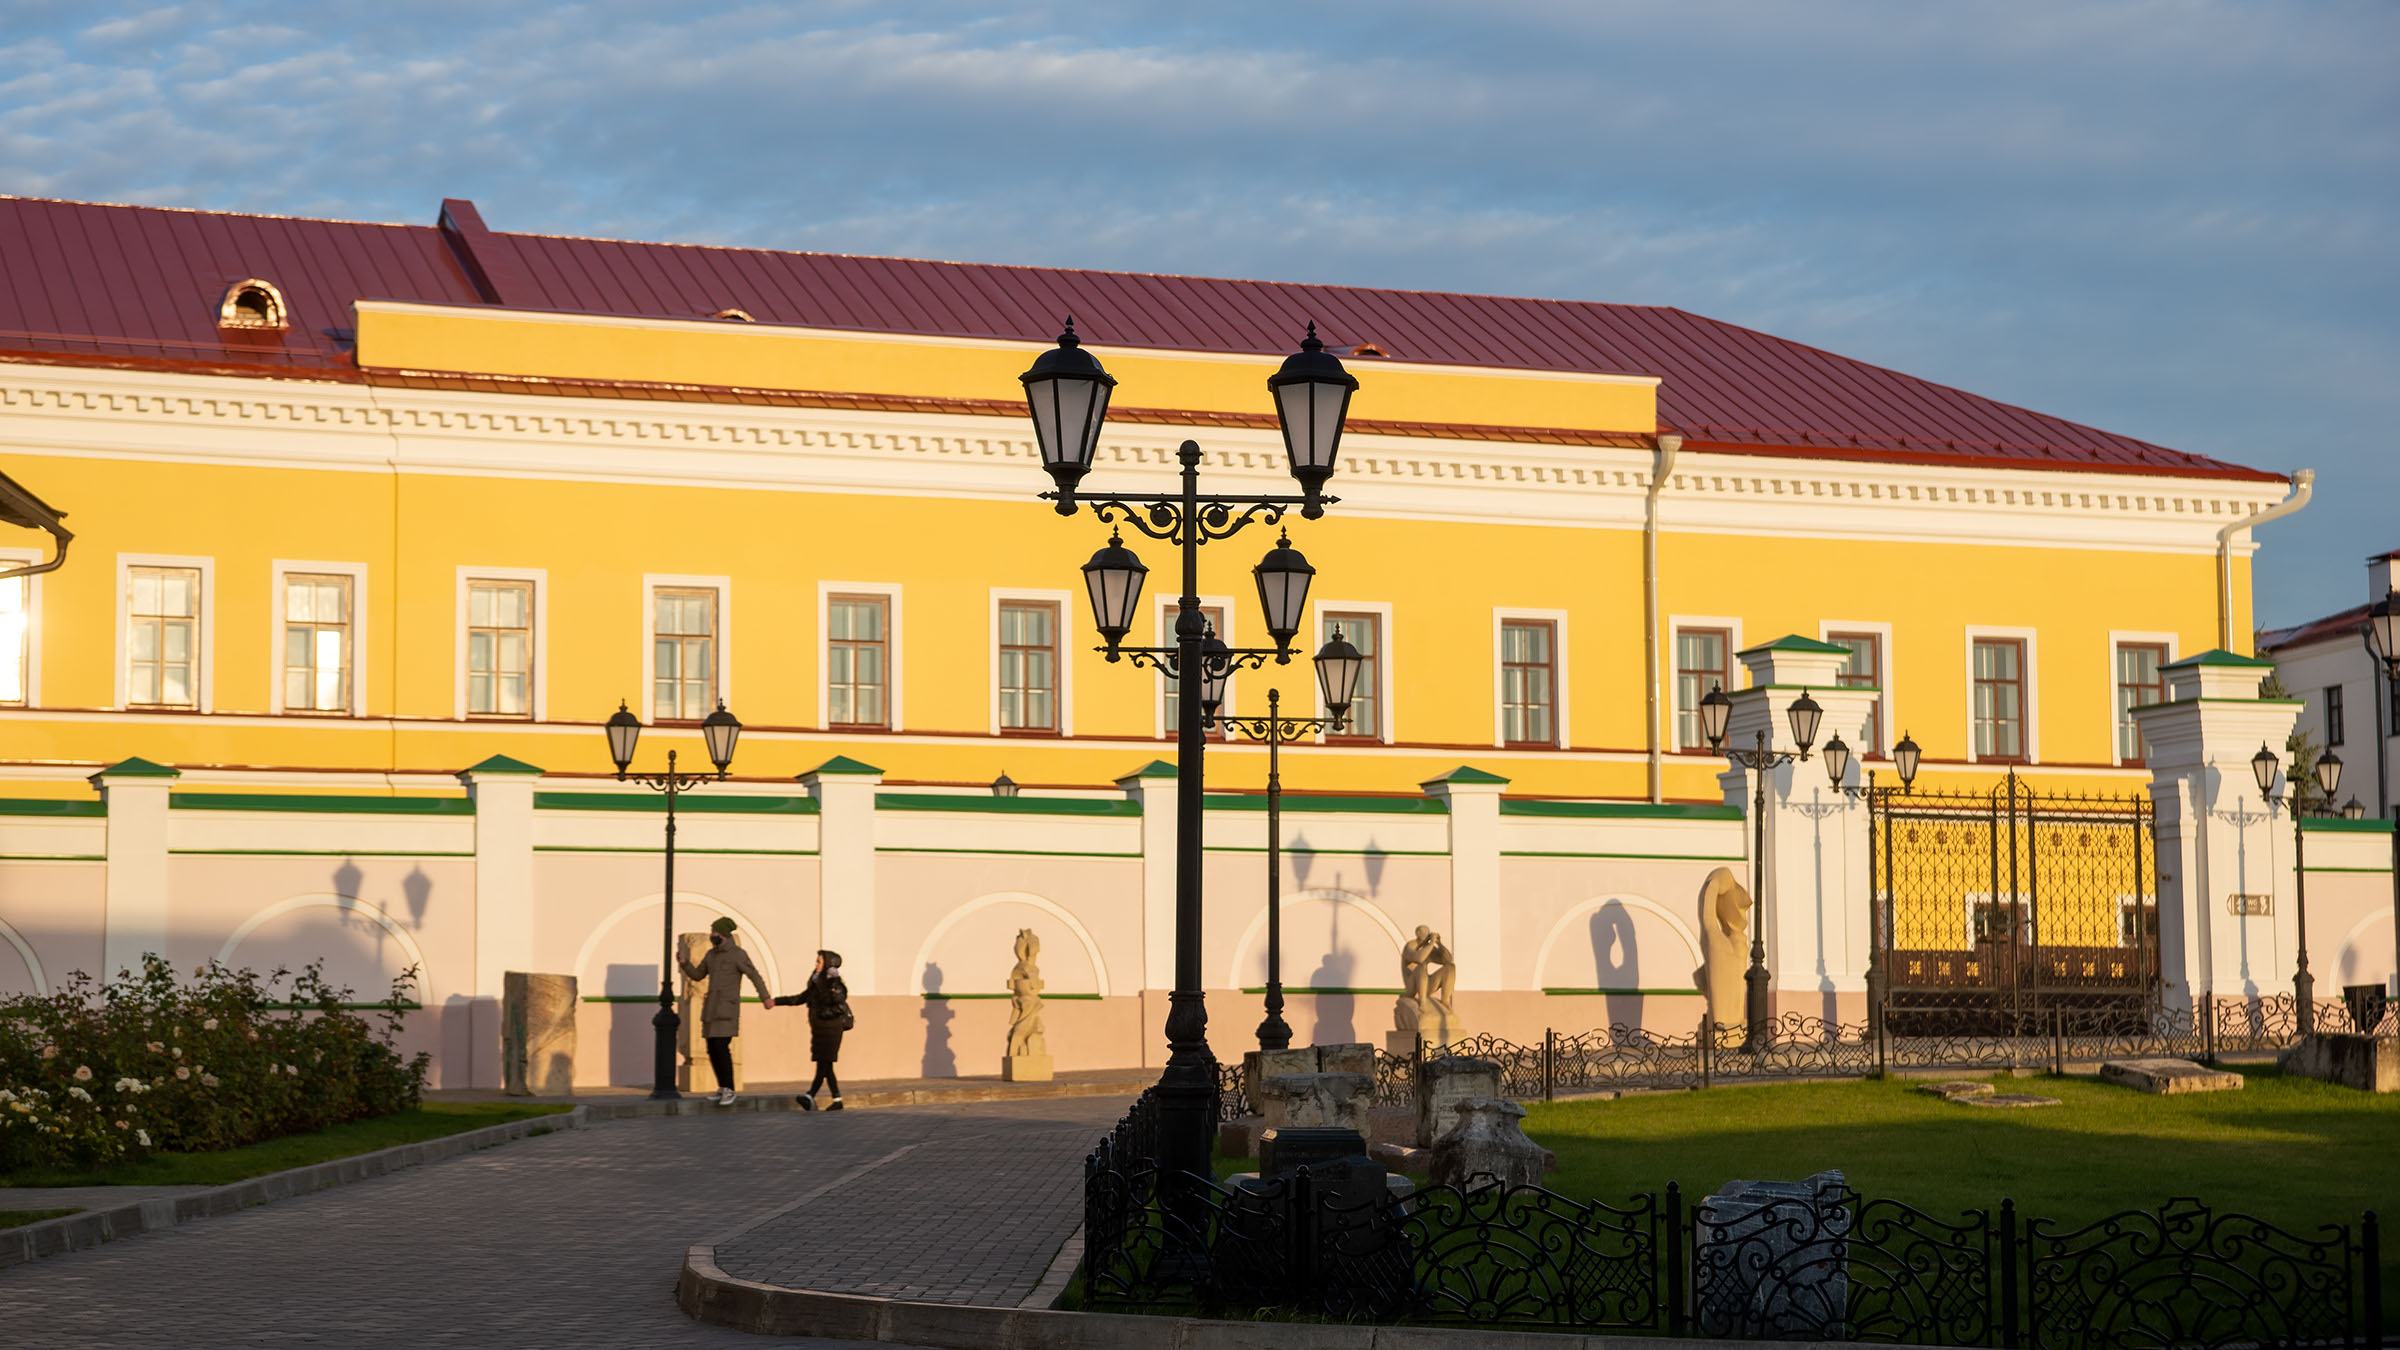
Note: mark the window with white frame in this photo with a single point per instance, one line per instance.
(1528, 682)
(499, 648)
(16, 641)
(1864, 670)
(683, 653)
(1365, 632)
(317, 648)
(1999, 675)
(1700, 666)
(1214, 616)
(162, 638)
(858, 660)
(1028, 665)
(2139, 682)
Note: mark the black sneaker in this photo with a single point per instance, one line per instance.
(834, 1105)
(807, 1103)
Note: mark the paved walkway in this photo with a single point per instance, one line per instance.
(576, 1238)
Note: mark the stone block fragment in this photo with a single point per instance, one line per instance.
(2168, 1077)
(1771, 1259)
(1444, 1083)
(2367, 1063)
(1487, 1143)
(537, 1034)
(1955, 1090)
(1322, 1099)
(1347, 1057)
(2005, 1100)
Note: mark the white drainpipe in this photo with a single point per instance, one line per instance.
(2303, 486)
(1660, 468)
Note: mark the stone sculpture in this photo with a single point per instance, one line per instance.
(1724, 947)
(1772, 1260)
(1028, 1059)
(1488, 1144)
(1428, 974)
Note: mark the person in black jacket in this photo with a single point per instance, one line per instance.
(828, 1002)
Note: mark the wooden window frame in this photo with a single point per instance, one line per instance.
(347, 703)
(128, 568)
(2021, 683)
(1548, 666)
(1724, 676)
(1371, 674)
(883, 648)
(1879, 740)
(1001, 647)
(2336, 719)
(684, 642)
(533, 652)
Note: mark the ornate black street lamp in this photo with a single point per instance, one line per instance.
(1804, 713)
(1338, 666)
(2383, 643)
(1067, 393)
(720, 731)
(2329, 779)
(1883, 900)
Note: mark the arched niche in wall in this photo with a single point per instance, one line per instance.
(20, 970)
(622, 954)
(362, 947)
(1331, 940)
(972, 948)
(1632, 951)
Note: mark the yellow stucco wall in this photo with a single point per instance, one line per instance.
(1442, 579)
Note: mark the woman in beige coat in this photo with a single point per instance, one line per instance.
(724, 967)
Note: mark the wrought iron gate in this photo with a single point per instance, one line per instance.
(1993, 910)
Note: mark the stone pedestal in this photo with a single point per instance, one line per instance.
(2163, 1077)
(1770, 1260)
(1487, 1144)
(2368, 1063)
(1318, 1100)
(1025, 1068)
(1348, 1057)
(537, 1034)
(1401, 1043)
(1442, 1085)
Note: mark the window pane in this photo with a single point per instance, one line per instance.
(176, 640)
(479, 606)
(144, 640)
(515, 653)
(299, 601)
(479, 652)
(295, 689)
(176, 684)
(145, 592)
(512, 695)
(296, 645)
(141, 684)
(1366, 703)
(175, 595)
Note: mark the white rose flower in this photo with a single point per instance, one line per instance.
(158, 1047)
(79, 1094)
(49, 1052)
(209, 1025)
(83, 1073)
(208, 1080)
(182, 1071)
(144, 1136)
(177, 1052)
(292, 1069)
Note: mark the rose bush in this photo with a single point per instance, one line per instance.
(99, 1073)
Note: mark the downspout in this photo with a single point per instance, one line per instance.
(2303, 485)
(1663, 465)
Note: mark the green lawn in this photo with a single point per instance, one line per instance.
(12, 1218)
(2293, 1151)
(431, 1121)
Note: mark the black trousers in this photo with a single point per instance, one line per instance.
(720, 1059)
(825, 1079)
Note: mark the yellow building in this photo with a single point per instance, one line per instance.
(360, 506)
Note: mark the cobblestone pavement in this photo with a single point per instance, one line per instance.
(575, 1238)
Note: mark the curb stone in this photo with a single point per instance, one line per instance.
(707, 1294)
(700, 1103)
(92, 1227)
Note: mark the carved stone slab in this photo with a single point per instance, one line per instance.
(1954, 1091)
(2168, 1077)
(537, 1034)
(2005, 1100)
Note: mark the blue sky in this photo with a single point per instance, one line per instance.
(2170, 218)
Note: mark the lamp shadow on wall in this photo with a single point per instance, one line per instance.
(1617, 955)
(1337, 1013)
(940, 1062)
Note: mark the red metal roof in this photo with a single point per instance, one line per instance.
(2348, 624)
(90, 281)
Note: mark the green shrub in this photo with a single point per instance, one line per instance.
(98, 1073)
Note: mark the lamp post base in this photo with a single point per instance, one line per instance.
(1756, 1011)
(662, 1083)
(1274, 1033)
(2304, 1003)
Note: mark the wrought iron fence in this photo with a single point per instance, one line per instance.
(1831, 1265)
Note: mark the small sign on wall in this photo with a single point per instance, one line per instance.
(2249, 906)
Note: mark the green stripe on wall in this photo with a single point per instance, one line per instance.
(1692, 993)
(1301, 989)
(702, 802)
(657, 850)
(1635, 857)
(314, 853)
(1579, 810)
(321, 803)
(1011, 852)
(1388, 806)
(1007, 806)
(50, 806)
(1046, 998)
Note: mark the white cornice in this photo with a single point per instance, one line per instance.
(95, 412)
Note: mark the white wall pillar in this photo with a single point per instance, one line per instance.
(502, 790)
(844, 790)
(2217, 840)
(1156, 788)
(135, 792)
(1813, 877)
(1474, 926)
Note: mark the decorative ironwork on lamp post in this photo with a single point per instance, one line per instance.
(2329, 779)
(1804, 713)
(720, 730)
(1067, 393)
(1881, 901)
(1338, 666)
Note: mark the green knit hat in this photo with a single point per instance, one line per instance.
(722, 926)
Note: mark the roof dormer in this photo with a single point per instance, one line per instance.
(252, 303)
